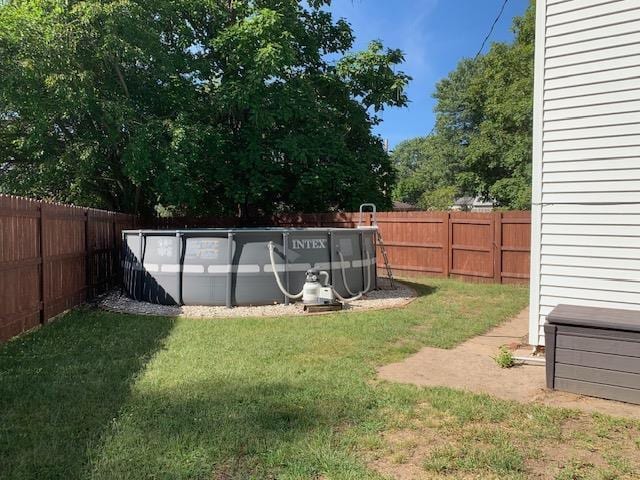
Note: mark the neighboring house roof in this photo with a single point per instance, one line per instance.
(464, 201)
(473, 202)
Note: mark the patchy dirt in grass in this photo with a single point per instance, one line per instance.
(470, 367)
(583, 453)
(384, 297)
(404, 454)
(430, 445)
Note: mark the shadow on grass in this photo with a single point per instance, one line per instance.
(236, 428)
(421, 289)
(61, 387)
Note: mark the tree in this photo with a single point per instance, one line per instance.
(192, 106)
(482, 139)
(497, 158)
(441, 198)
(422, 165)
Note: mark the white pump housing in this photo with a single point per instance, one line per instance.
(313, 292)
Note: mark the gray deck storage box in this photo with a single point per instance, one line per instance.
(594, 351)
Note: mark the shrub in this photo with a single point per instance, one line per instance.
(504, 359)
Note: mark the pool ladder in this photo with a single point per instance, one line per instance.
(379, 240)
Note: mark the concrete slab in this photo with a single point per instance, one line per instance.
(470, 367)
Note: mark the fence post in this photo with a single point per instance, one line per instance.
(41, 259)
(115, 257)
(497, 247)
(445, 244)
(87, 251)
(449, 244)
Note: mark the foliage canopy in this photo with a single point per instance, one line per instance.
(481, 144)
(193, 106)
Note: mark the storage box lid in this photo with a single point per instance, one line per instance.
(595, 317)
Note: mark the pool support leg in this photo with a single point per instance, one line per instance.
(330, 238)
(179, 264)
(285, 242)
(229, 302)
(362, 270)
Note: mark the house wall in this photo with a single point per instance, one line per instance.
(586, 157)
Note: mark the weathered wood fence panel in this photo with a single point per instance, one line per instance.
(20, 265)
(52, 257)
(416, 242)
(513, 242)
(484, 247)
(471, 245)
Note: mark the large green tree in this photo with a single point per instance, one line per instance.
(193, 106)
(481, 144)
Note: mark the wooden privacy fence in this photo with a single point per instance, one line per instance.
(52, 257)
(484, 247)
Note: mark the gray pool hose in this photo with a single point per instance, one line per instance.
(326, 277)
(357, 297)
(275, 273)
(344, 276)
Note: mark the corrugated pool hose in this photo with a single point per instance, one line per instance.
(355, 296)
(275, 273)
(344, 280)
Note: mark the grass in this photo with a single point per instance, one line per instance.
(107, 396)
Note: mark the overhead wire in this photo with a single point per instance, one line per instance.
(484, 42)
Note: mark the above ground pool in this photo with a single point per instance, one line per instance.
(233, 267)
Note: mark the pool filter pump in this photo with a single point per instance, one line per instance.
(314, 292)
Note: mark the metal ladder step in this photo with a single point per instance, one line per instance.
(383, 249)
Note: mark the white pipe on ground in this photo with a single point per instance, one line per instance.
(530, 360)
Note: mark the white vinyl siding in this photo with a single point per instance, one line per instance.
(586, 176)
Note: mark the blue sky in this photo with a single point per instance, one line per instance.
(434, 35)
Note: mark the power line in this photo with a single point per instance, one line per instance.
(493, 25)
(484, 42)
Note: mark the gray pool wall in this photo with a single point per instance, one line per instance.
(232, 266)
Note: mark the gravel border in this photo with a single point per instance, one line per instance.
(379, 299)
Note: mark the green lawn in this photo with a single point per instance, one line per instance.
(101, 395)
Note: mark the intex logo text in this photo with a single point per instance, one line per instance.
(308, 243)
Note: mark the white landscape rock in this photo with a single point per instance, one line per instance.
(384, 297)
